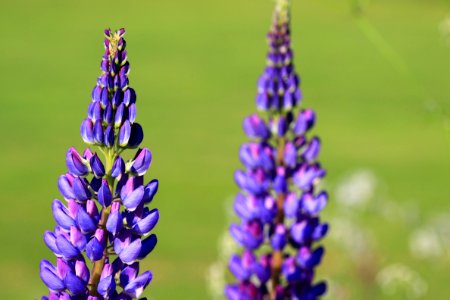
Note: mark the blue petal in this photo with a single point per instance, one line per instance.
(104, 194)
(131, 252)
(133, 199)
(81, 190)
(50, 241)
(146, 224)
(150, 190)
(106, 286)
(148, 245)
(49, 277)
(136, 136)
(124, 134)
(137, 286)
(129, 273)
(65, 187)
(85, 222)
(94, 249)
(62, 215)
(66, 248)
(114, 223)
(74, 284)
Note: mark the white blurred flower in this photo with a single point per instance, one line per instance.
(216, 280)
(336, 291)
(226, 246)
(432, 241)
(444, 28)
(398, 279)
(357, 188)
(351, 237)
(424, 243)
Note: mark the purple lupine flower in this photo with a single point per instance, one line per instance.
(105, 218)
(279, 204)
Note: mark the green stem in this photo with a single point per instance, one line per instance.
(277, 258)
(110, 155)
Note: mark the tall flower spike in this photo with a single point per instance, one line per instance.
(279, 203)
(106, 214)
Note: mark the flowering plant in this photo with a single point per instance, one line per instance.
(279, 200)
(104, 227)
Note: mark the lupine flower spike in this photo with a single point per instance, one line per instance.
(104, 223)
(279, 203)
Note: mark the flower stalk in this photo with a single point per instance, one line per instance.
(106, 221)
(280, 201)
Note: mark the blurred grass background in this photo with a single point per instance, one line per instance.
(377, 73)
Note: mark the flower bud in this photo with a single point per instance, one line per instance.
(118, 168)
(98, 132)
(87, 131)
(109, 137)
(141, 162)
(104, 194)
(75, 163)
(97, 166)
(124, 134)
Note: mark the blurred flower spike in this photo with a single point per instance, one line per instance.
(104, 224)
(279, 202)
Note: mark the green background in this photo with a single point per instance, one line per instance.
(377, 73)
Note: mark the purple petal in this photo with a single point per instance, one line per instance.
(77, 238)
(312, 150)
(62, 215)
(141, 162)
(148, 245)
(85, 222)
(133, 199)
(118, 168)
(119, 116)
(94, 249)
(74, 284)
(109, 136)
(137, 286)
(80, 189)
(129, 96)
(255, 127)
(305, 120)
(75, 163)
(132, 113)
(98, 132)
(129, 273)
(104, 194)
(146, 224)
(124, 134)
(307, 259)
(65, 186)
(291, 206)
(130, 253)
(81, 270)
(136, 136)
(114, 223)
(65, 247)
(238, 270)
(49, 277)
(87, 131)
(313, 205)
(50, 241)
(106, 286)
(150, 190)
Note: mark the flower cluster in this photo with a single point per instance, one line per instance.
(279, 203)
(104, 226)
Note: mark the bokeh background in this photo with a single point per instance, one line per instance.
(377, 73)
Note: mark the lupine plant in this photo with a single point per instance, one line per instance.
(104, 223)
(279, 202)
